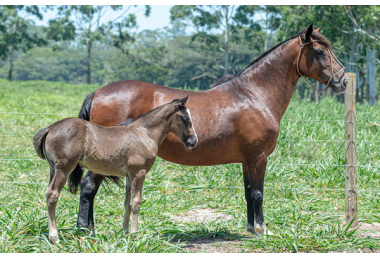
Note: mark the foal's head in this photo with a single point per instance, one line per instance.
(181, 125)
(316, 60)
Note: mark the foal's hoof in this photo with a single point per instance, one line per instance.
(54, 239)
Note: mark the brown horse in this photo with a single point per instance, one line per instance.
(237, 121)
(124, 151)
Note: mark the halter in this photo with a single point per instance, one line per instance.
(331, 55)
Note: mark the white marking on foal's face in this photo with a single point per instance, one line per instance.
(195, 133)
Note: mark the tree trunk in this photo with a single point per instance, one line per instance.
(226, 41)
(11, 63)
(89, 47)
(371, 61)
(316, 97)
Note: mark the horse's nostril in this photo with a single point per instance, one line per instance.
(345, 82)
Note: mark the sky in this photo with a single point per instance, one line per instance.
(158, 18)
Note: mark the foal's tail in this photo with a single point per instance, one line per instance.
(39, 142)
(39, 146)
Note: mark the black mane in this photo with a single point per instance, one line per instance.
(128, 122)
(316, 35)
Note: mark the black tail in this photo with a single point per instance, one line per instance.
(84, 112)
(75, 179)
(76, 176)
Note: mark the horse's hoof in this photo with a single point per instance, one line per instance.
(262, 230)
(85, 231)
(251, 229)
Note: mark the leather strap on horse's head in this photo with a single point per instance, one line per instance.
(331, 54)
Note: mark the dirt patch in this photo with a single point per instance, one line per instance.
(209, 245)
(369, 230)
(202, 215)
(214, 246)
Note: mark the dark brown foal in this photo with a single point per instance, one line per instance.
(124, 151)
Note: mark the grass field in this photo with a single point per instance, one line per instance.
(303, 204)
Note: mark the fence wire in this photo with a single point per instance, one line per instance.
(204, 187)
(220, 187)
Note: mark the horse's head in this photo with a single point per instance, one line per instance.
(181, 124)
(316, 60)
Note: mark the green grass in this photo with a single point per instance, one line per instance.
(303, 205)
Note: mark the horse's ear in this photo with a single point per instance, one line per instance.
(318, 29)
(180, 102)
(308, 33)
(184, 100)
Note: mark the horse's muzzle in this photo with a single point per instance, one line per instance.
(340, 85)
(191, 141)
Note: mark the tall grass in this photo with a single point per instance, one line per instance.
(303, 204)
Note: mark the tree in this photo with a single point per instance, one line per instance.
(88, 26)
(205, 19)
(16, 32)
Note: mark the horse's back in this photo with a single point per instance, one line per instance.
(65, 139)
(117, 102)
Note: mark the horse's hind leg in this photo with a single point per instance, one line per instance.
(52, 195)
(89, 187)
(127, 206)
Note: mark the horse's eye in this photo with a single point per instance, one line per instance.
(319, 53)
(185, 119)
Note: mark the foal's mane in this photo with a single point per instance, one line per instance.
(315, 35)
(130, 121)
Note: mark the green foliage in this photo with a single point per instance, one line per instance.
(114, 51)
(16, 33)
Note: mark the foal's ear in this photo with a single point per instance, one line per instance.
(308, 33)
(318, 29)
(183, 101)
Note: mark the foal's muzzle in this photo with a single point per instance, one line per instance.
(191, 141)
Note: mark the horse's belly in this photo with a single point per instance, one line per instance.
(104, 167)
(213, 152)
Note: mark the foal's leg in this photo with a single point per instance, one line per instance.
(89, 187)
(52, 195)
(256, 173)
(127, 206)
(136, 190)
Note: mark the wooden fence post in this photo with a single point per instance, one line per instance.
(350, 151)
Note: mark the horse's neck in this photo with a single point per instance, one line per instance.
(273, 79)
(157, 124)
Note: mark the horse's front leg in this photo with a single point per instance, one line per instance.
(248, 198)
(89, 187)
(254, 185)
(136, 189)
